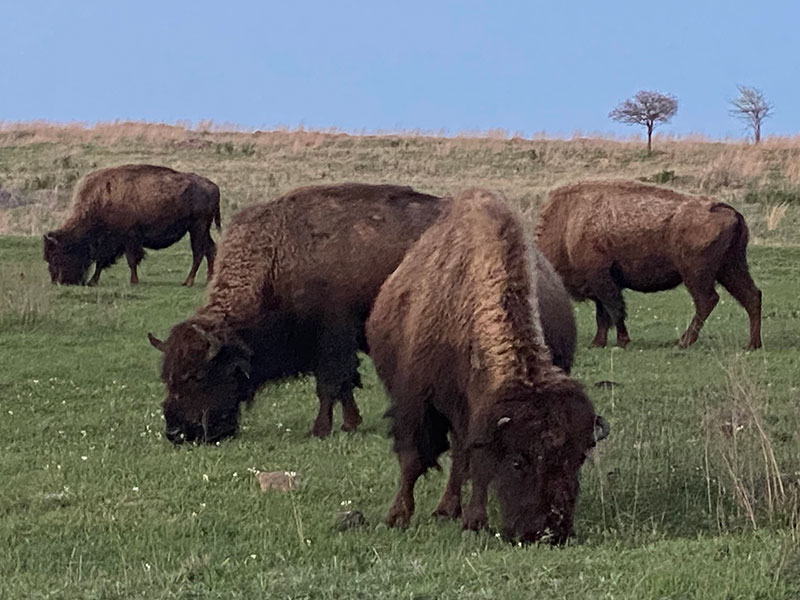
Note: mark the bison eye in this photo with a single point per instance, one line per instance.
(517, 465)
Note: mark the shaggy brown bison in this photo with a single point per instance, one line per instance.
(295, 282)
(123, 210)
(605, 236)
(456, 337)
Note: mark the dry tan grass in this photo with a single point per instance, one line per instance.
(41, 161)
(741, 457)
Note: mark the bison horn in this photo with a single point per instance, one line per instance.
(503, 421)
(155, 342)
(50, 239)
(214, 343)
(601, 428)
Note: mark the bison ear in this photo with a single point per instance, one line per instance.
(214, 343)
(241, 364)
(155, 342)
(601, 428)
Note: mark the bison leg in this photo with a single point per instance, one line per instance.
(198, 238)
(337, 374)
(741, 286)
(351, 418)
(134, 255)
(475, 516)
(211, 254)
(403, 507)
(603, 323)
(450, 504)
(610, 309)
(705, 299)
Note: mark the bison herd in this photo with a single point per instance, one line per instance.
(466, 316)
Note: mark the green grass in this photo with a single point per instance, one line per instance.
(95, 503)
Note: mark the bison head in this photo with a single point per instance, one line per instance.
(532, 451)
(206, 372)
(68, 260)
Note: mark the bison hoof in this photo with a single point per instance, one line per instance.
(319, 432)
(597, 344)
(475, 521)
(351, 425)
(398, 519)
(448, 510)
(623, 343)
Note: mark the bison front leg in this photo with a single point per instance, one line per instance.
(450, 504)
(403, 506)
(134, 255)
(603, 323)
(475, 517)
(337, 374)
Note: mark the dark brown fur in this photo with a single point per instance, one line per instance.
(456, 337)
(295, 282)
(123, 210)
(605, 236)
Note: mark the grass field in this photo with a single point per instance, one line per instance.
(695, 494)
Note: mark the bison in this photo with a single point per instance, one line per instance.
(456, 338)
(295, 281)
(123, 210)
(605, 236)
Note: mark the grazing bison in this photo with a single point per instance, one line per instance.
(605, 236)
(456, 337)
(123, 210)
(295, 282)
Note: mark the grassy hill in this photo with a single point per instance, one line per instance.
(40, 163)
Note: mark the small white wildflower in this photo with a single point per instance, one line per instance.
(345, 503)
(135, 489)
(11, 412)
(308, 542)
(497, 535)
(202, 505)
(290, 473)
(235, 474)
(84, 458)
(205, 477)
(254, 556)
(35, 381)
(146, 566)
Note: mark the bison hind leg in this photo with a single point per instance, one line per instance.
(736, 279)
(705, 299)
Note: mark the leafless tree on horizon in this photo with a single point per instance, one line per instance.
(752, 107)
(646, 108)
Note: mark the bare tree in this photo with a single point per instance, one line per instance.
(646, 108)
(751, 107)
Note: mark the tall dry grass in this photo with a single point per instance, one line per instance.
(41, 161)
(752, 454)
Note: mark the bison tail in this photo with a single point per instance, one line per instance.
(218, 219)
(741, 236)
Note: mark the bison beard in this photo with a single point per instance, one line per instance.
(456, 337)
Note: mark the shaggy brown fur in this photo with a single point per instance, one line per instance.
(555, 310)
(123, 210)
(605, 236)
(456, 337)
(295, 282)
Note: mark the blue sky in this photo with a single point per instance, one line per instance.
(556, 66)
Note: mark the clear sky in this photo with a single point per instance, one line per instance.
(525, 66)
